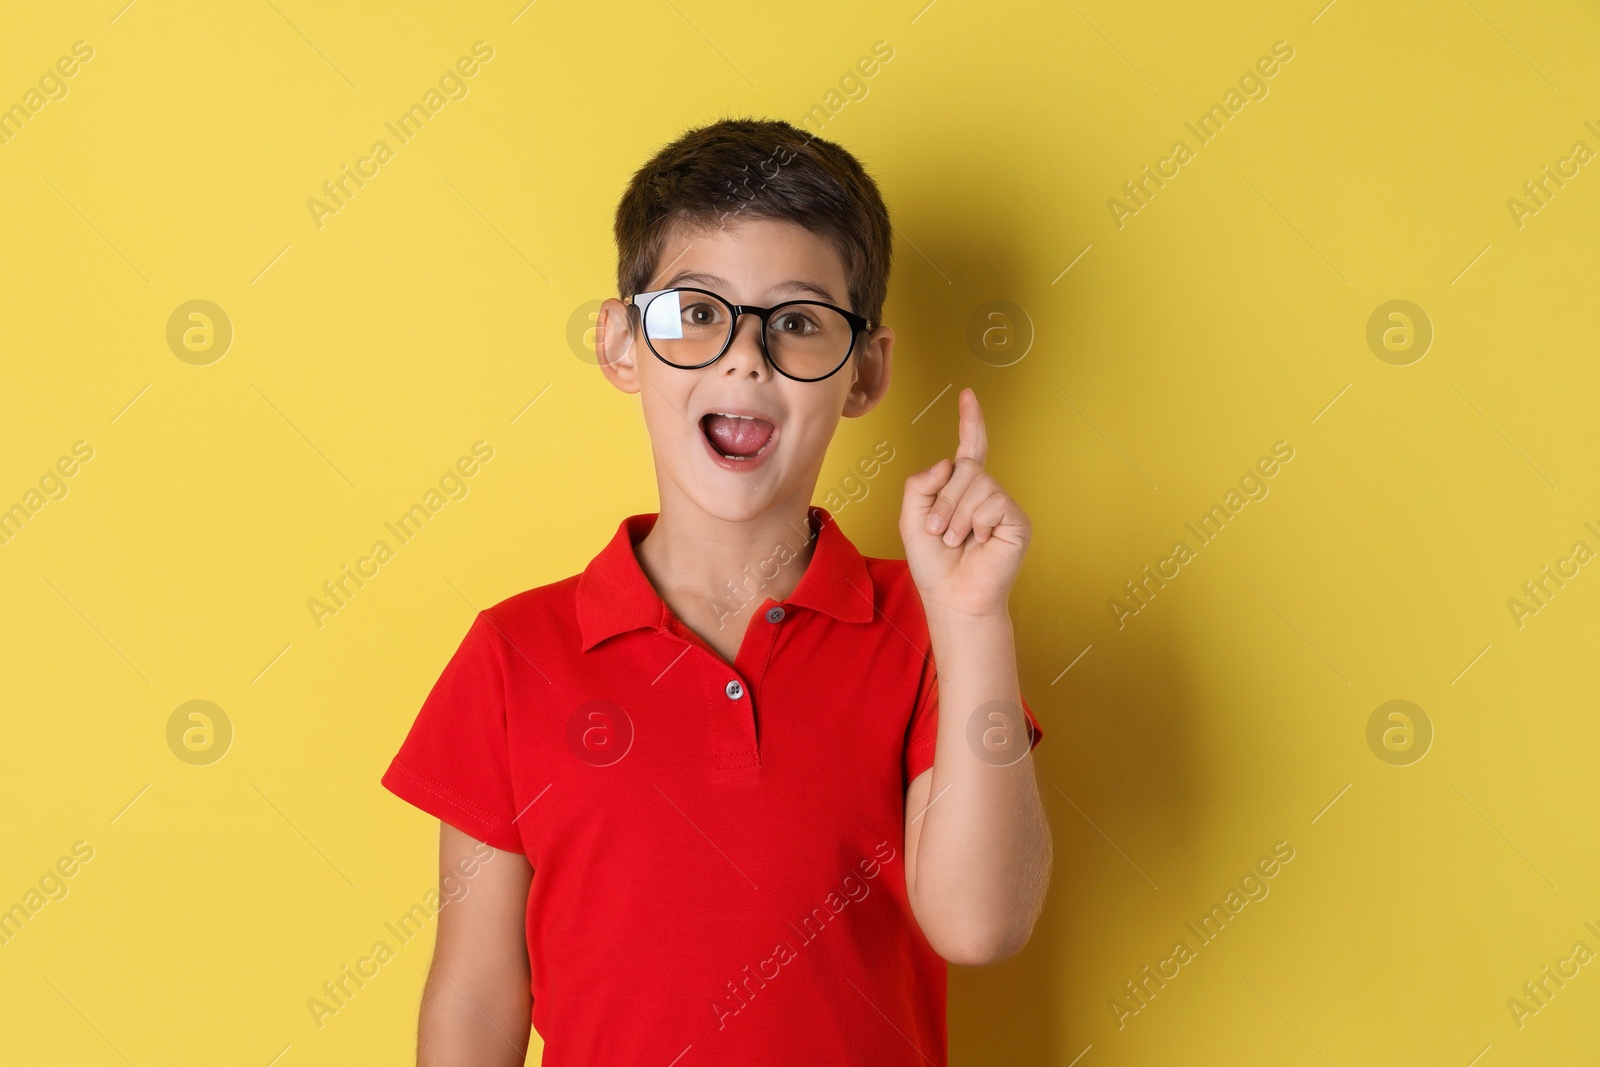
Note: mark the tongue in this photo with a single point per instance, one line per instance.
(737, 437)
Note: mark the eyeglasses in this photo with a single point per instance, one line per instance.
(806, 340)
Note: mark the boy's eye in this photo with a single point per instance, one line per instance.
(702, 314)
(793, 322)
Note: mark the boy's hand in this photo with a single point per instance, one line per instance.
(972, 576)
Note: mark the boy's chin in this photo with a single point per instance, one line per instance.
(726, 496)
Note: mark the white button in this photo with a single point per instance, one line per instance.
(775, 614)
(734, 690)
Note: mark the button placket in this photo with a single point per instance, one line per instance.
(736, 737)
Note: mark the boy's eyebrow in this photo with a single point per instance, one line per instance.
(711, 281)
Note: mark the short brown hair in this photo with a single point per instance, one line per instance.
(762, 169)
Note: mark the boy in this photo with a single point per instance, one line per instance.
(700, 833)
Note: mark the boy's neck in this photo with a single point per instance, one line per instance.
(706, 568)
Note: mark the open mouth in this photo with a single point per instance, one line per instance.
(740, 438)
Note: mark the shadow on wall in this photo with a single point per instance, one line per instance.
(1120, 742)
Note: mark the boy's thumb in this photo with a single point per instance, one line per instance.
(922, 488)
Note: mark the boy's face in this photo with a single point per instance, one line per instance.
(748, 261)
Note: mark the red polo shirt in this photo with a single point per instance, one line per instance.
(718, 849)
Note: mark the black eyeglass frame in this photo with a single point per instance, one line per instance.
(641, 302)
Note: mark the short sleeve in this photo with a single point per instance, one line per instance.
(455, 763)
(924, 729)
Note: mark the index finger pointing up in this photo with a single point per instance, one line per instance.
(974, 438)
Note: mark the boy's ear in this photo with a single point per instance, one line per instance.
(871, 373)
(614, 348)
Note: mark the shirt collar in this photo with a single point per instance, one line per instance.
(614, 595)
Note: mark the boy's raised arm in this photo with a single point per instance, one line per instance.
(977, 842)
(476, 1006)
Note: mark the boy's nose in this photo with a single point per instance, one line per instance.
(744, 351)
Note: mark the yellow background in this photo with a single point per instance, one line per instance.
(428, 313)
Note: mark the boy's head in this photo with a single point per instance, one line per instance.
(759, 214)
